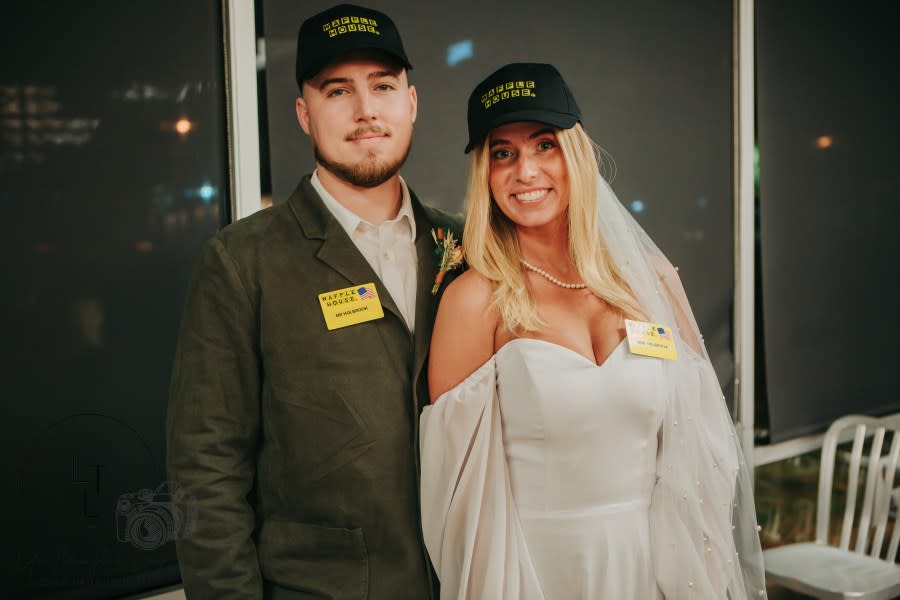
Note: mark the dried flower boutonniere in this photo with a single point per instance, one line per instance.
(450, 255)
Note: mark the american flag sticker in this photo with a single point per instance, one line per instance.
(366, 293)
(663, 333)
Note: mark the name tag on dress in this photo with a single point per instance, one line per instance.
(650, 339)
(350, 306)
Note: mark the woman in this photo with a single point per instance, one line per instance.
(562, 459)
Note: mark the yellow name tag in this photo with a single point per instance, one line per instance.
(650, 339)
(350, 306)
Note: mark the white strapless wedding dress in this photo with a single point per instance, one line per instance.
(537, 476)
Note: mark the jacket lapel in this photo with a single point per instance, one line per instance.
(426, 302)
(337, 251)
(340, 254)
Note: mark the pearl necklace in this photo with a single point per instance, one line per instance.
(551, 278)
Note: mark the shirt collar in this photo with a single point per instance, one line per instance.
(350, 221)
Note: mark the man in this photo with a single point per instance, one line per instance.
(298, 379)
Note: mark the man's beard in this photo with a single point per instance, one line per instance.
(367, 173)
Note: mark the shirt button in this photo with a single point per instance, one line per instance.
(387, 255)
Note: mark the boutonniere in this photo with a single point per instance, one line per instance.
(449, 252)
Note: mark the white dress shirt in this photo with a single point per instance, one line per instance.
(389, 248)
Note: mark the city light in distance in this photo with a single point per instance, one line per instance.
(206, 192)
(459, 52)
(824, 141)
(183, 126)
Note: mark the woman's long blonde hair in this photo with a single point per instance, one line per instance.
(492, 247)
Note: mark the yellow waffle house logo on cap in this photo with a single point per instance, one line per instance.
(505, 91)
(350, 25)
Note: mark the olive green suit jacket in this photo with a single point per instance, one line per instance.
(298, 446)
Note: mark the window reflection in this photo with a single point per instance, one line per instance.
(827, 127)
(105, 200)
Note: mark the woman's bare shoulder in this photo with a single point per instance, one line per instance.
(463, 337)
(471, 292)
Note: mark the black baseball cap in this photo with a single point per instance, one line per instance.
(520, 92)
(331, 33)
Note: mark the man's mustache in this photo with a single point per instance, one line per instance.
(365, 131)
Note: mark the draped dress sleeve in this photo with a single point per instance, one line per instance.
(469, 518)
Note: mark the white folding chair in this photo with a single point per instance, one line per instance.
(840, 572)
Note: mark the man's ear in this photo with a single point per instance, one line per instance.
(414, 98)
(302, 114)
